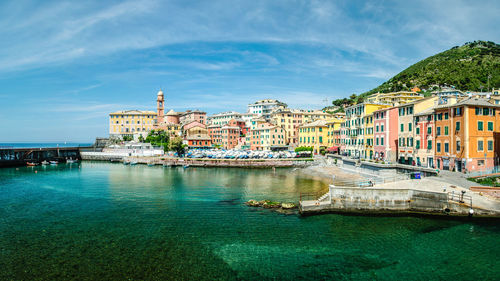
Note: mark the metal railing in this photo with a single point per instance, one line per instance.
(460, 197)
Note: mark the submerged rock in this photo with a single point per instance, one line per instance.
(288, 205)
(270, 204)
(253, 203)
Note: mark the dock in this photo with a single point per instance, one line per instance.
(12, 157)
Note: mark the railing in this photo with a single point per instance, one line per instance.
(310, 196)
(495, 170)
(460, 197)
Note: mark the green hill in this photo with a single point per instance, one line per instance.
(466, 68)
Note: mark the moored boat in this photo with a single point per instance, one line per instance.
(54, 162)
(45, 162)
(133, 163)
(71, 160)
(31, 164)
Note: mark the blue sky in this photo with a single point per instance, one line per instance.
(65, 65)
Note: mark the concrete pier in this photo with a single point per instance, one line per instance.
(404, 197)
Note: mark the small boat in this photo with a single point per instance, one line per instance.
(133, 163)
(54, 162)
(45, 162)
(126, 162)
(165, 165)
(31, 164)
(185, 166)
(151, 164)
(71, 161)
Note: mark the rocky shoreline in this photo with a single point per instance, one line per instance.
(281, 207)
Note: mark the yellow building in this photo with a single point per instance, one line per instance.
(314, 135)
(333, 134)
(368, 127)
(354, 127)
(394, 98)
(172, 129)
(130, 122)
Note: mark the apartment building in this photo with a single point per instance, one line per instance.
(315, 135)
(385, 135)
(129, 122)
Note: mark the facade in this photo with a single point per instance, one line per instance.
(227, 136)
(385, 134)
(193, 116)
(265, 107)
(467, 135)
(196, 135)
(130, 122)
(223, 118)
(173, 117)
(394, 98)
(315, 135)
(368, 132)
(172, 129)
(425, 138)
(333, 135)
(354, 129)
(406, 128)
(266, 136)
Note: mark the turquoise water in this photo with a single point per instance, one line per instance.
(113, 222)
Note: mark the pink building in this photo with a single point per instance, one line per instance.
(226, 136)
(385, 134)
(193, 116)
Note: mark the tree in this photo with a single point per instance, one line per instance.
(141, 138)
(177, 146)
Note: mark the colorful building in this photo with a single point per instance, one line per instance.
(223, 118)
(265, 107)
(314, 135)
(424, 149)
(266, 136)
(130, 122)
(385, 134)
(368, 133)
(196, 135)
(354, 129)
(193, 116)
(394, 98)
(467, 135)
(406, 128)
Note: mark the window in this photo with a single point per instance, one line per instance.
(418, 144)
(417, 130)
(429, 130)
(402, 127)
(409, 127)
(486, 111)
(480, 145)
(446, 116)
(445, 130)
(479, 125)
(429, 144)
(478, 111)
(446, 147)
(377, 128)
(438, 131)
(438, 147)
(480, 162)
(457, 126)
(458, 146)
(490, 145)
(490, 126)
(381, 141)
(381, 128)
(376, 141)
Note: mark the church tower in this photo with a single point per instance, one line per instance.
(160, 106)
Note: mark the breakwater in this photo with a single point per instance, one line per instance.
(205, 162)
(11, 157)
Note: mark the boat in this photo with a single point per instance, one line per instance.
(185, 166)
(45, 162)
(151, 164)
(31, 164)
(126, 162)
(166, 165)
(71, 160)
(133, 163)
(54, 162)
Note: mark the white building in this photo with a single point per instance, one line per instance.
(223, 117)
(265, 107)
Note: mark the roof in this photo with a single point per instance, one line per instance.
(198, 137)
(414, 102)
(317, 123)
(193, 124)
(472, 101)
(134, 112)
(171, 112)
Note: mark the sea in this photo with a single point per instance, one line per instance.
(107, 221)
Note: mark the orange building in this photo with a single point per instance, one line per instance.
(466, 135)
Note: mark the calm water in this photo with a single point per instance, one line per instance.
(109, 221)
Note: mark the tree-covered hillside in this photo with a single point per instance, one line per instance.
(475, 66)
(466, 68)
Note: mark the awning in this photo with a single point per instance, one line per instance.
(333, 148)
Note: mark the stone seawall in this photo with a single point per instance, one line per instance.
(242, 163)
(389, 201)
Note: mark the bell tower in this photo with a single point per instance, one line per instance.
(160, 106)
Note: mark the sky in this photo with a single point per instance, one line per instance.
(65, 65)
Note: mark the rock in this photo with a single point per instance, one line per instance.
(288, 206)
(253, 203)
(270, 204)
